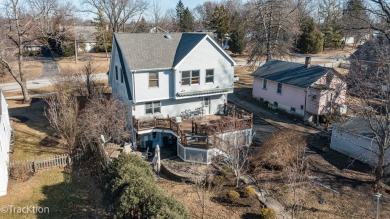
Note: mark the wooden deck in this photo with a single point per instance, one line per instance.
(197, 132)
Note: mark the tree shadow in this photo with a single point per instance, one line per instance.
(251, 215)
(32, 115)
(79, 196)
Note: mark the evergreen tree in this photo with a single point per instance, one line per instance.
(142, 26)
(188, 21)
(103, 36)
(237, 41)
(179, 15)
(311, 39)
(220, 21)
(355, 20)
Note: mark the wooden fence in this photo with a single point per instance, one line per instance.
(35, 165)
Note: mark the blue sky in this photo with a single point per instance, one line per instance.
(165, 5)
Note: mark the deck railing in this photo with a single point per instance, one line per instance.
(236, 119)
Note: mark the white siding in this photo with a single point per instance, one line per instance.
(5, 135)
(118, 88)
(355, 146)
(145, 93)
(206, 56)
(173, 107)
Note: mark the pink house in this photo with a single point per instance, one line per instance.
(301, 89)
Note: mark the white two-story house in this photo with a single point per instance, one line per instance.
(5, 137)
(167, 79)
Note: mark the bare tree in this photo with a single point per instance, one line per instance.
(156, 11)
(235, 152)
(273, 28)
(14, 36)
(118, 12)
(369, 80)
(297, 176)
(62, 111)
(102, 116)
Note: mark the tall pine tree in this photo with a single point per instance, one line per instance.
(102, 34)
(355, 20)
(237, 41)
(188, 21)
(311, 39)
(179, 15)
(220, 21)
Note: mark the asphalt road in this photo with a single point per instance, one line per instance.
(39, 83)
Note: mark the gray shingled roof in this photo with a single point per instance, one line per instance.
(151, 51)
(291, 73)
(358, 126)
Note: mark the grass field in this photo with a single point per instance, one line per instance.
(32, 69)
(29, 134)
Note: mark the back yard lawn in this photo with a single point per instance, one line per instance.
(33, 135)
(67, 195)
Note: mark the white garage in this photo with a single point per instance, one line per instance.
(355, 139)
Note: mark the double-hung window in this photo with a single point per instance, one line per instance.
(210, 76)
(153, 107)
(153, 79)
(190, 77)
(279, 91)
(265, 84)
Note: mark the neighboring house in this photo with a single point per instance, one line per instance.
(168, 78)
(357, 140)
(5, 137)
(33, 46)
(86, 38)
(371, 56)
(301, 89)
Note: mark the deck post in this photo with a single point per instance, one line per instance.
(224, 108)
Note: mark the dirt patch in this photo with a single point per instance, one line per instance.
(331, 192)
(186, 193)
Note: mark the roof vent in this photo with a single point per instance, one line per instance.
(307, 62)
(167, 36)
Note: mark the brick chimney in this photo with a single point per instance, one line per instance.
(307, 62)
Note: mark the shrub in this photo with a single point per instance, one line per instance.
(129, 185)
(267, 213)
(281, 150)
(233, 195)
(249, 191)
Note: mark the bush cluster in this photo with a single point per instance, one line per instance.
(233, 195)
(249, 191)
(267, 213)
(130, 188)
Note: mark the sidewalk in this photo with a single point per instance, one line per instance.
(268, 115)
